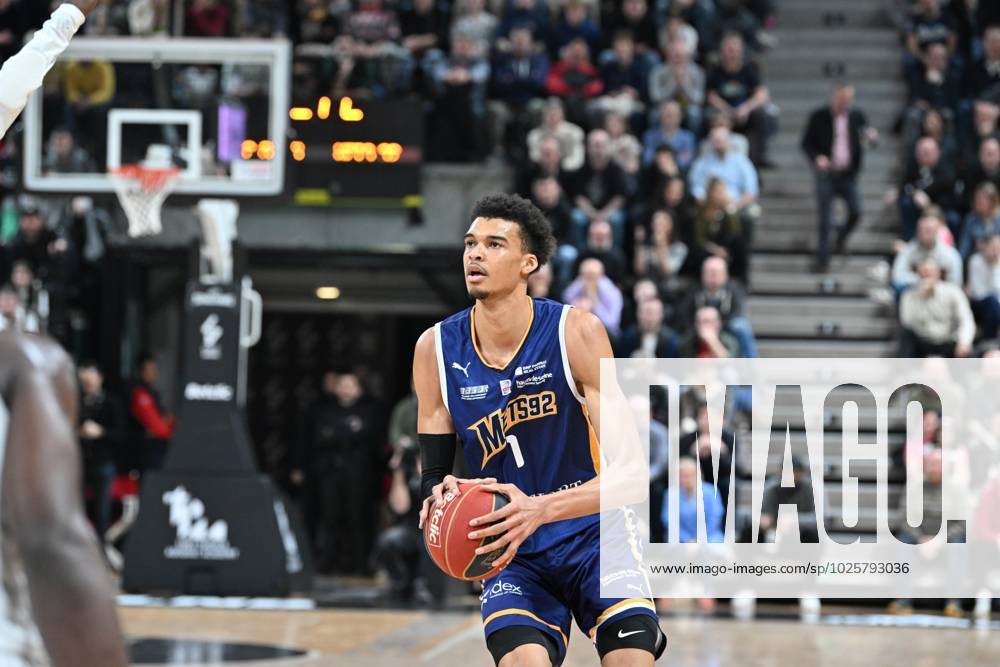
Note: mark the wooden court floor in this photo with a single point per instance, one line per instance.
(412, 638)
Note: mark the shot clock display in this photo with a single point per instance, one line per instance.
(347, 149)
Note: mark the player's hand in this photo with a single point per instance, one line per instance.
(448, 485)
(86, 6)
(518, 519)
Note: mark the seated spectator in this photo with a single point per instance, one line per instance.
(261, 18)
(458, 127)
(371, 58)
(574, 79)
(32, 298)
(531, 13)
(983, 76)
(540, 283)
(699, 444)
(208, 18)
(594, 292)
(682, 81)
(935, 316)
(737, 142)
(679, 31)
(472, 19)
(635, 16)
(516, 84)
(424, 27)
(689, 513)
(569, 136)
(317, 22)
(927, 243)
(548, 165)
(599, 190)
(670, 133)
(982, 222)
(624, 76)
(660, 257)
(727, 297)
(937, 87)
(733, 169)
(718, 232)
(652, 188)
(986, 169)
(984, 286)
(63, 156)
(574, 23)
(984, 126)
(37, 245)
(600, 245)
(928, 181)
(89, 87)
(650, 336)
(735, 88)
(801, 495)
(707, 339)
(934, 125)
(10, 308)
(626, 151)
(929, 26)
(101, 430)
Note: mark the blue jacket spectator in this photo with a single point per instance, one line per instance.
(519, 76)
(621, 70)
(531, 13)
(670, 133)
(733, 169)
(574, 23)
(688, 515)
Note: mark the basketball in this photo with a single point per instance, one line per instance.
(447, 530)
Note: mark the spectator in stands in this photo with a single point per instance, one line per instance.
(735, 88)
(208, 18)
(984, 285)
(575, 79)
(569, 136)
(689, 514)
(35, 243)
(32, 298)
(653, 187)
(670, 133)
(460, 106)
(600, 245)
(698, 445)
(983, 76)
(517, 83)
(733, 169)
(635, 17)
(540, 283)
(260, 18)
(10, 308)
(935, 316)
(89, 87)
(707, 339)
(727, 297)
(801, 495)
(63, 156)
(626, 151)
(473, 20)
(599, 190)
(986, 169)
(548, 165)
(834, 141)
(930, 26)
(927, 243)
(941, 130)
(928, 181)
(624, 77)
(317, 22)
(548, 196)
(369, 53)
(939, 86)
(650, 336)
(574, 23)
(594, 292)
(661, 255)
(424, 27)
(982, 222)
(155, 424)
(531, 13)
(682, 81)
(718, 232)
(984, 126)
(101, 429)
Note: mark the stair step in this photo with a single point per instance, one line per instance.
(782, 223)
(811, 89)
(805, 240)
(823, 327)
(830, 307)
(805, 37)
(833, 283)
(825, 349)
(814, 14)
(777, 263)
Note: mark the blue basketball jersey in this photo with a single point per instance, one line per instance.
(526, 423)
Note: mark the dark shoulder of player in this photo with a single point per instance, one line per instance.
(24, 353)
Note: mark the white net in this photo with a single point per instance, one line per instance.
(141, 192)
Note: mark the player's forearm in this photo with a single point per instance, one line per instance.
(23, 73)
(582, 500)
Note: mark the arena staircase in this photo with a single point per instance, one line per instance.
(797, 313)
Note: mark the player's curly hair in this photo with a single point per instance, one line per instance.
(536, 232)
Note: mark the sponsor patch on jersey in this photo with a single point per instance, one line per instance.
(474, 393)
(530, 368)
(505, 387)
(533, 380)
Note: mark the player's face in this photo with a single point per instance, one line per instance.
(494, 259)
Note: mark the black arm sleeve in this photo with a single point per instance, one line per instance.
(437, 455)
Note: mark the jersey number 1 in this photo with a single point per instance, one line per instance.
(516, 448)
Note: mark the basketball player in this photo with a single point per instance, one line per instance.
(23, 72)
(516, 379)
(49, 561)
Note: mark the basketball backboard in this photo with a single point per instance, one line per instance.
(108, 100)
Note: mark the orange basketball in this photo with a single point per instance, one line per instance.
(446, 533)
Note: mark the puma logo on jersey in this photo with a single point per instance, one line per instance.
(464, 369)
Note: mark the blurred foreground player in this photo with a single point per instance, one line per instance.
(516, 379)
(51, 570)
(23, 72)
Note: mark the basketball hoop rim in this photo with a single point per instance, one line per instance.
(149, 178)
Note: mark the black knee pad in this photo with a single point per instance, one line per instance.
(505, 640)
(639, 631)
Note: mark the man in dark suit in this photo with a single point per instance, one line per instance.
(834, 140)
